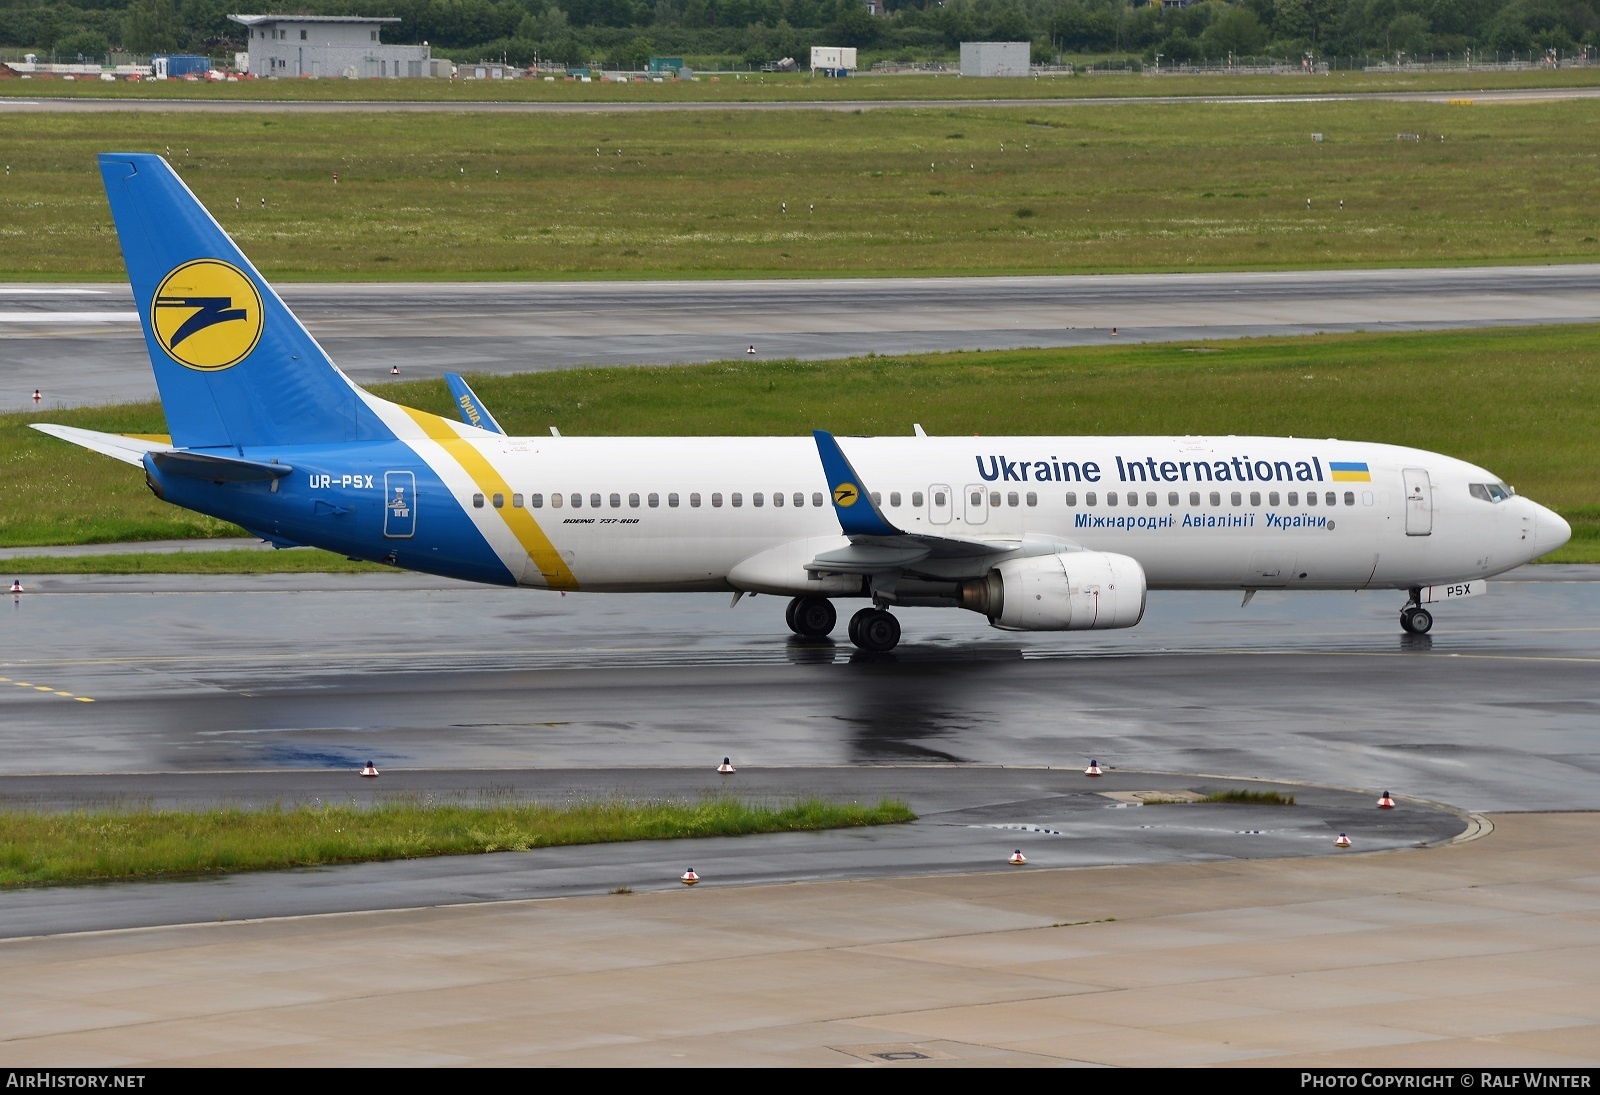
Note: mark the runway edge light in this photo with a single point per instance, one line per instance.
(1342, 842)
(370, 771)
(689, 878)
(1386, 803)
(1093, 769)
(726, 767)
(16, 585)
(1016, 858)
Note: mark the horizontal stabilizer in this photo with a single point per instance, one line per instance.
(218, 469)
(130, 450)
(471, 408)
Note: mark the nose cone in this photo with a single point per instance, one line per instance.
(1550, 531)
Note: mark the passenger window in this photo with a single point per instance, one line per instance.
(616, 501)
(555, 501)
(716, 499)
(1366, 498)
(1272, 498)
(1294, 498)
(1033, 499)
(916, 498)
(477, 501)
(777, 498)
(1089, 498)
(1216, 498)
(1012, 499)
(894, 498)
(877, 499)
(1172, 498)
(694, 501)
(576, 500)
(1133, 498)
(1072, 498)
(1311, 497)
(1349, 497)
(633, 501)
(653, 500)
(799, 499)
(977, 497)
(1150, 498)
(1331, 498)
(594, 500)
(938, 497)
(516, 501)
(816, 498)
(672, 500)
(1255, 498)
(499, 501)
(736, 498)
(1194, 498)
(756, 499)
(1236, 498)
(1111, 497)
(536, 501)
(994, 499)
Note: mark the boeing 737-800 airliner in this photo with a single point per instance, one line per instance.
(1035, 533)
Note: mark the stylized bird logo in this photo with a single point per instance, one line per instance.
(209, 311)
(845, 494)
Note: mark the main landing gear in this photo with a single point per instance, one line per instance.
(872, 629)
(1414, 619)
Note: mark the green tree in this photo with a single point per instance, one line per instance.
(152, 26)
(87, 44)
(1235, 31)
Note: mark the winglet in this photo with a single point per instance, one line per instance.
(858, 514)
(471, 408)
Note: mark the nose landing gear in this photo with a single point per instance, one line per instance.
(1414, 619)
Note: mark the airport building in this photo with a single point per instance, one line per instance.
(328, 45)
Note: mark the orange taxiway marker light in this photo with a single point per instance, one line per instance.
(689, 878)
(1342, 842)
(1016, 858)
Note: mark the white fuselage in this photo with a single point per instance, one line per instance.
(1196, 512)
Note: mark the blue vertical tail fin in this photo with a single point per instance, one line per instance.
(234, 367)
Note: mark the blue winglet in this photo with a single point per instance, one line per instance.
(858, 514)
(470, 407)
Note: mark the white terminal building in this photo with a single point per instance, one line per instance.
(327, 45)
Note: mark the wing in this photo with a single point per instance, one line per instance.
(876, 543)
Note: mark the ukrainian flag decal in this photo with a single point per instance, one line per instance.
(1352, 471)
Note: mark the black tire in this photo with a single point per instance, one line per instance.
(788, 614)
(877, 631)
(812, 617)
(854, 628)
(1421, 622)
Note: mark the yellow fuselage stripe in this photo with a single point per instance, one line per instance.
(556, 573)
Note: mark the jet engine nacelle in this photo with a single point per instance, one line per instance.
(1072, 591)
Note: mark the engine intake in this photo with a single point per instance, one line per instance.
(1072, 591)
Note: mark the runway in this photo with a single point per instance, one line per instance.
(133, 104)
(277, 688)
(80, 344)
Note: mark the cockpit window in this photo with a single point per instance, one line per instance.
(1491, 492)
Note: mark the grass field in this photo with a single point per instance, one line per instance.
(94, 845)
(770, 87)
(925, 190)
(1519, 401)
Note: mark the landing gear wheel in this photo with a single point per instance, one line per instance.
(811, 617)
(1416, 621)
(874, 630)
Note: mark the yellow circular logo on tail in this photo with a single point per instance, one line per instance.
(207, 315)
(845, 494)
